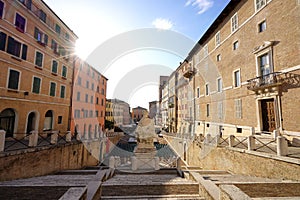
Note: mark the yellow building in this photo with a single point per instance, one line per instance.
(36, 49)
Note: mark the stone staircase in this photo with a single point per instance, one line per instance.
(149, 186)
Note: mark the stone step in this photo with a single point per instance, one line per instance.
(155, 197)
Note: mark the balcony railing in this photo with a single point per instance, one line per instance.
(286, 80)
(188, 72)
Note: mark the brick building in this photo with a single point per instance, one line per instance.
(244, 71)
(89, 100)
(36, 49)
(137, 113)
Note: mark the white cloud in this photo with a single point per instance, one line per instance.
(202, 5)
(164, 24)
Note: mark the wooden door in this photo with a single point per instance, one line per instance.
(268, 115)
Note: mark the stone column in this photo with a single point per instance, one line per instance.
(54, 137)
(134, 163)
(2, 140)
(68, 136)
(111, 162)
(251, 142)
(33, 138)
(231, 140)
(282, 146)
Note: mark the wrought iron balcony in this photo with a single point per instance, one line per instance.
(189, 72)
(286, 80)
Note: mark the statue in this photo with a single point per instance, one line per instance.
(145, 132)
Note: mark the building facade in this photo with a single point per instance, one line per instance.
(88, 100)
(154, 110)
(138, 113)
(36, 59)
(118, 112)
(244, 71)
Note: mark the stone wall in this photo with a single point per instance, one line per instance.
(42, 161)
(240, 161)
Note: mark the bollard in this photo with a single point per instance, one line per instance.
(54, 137)
(275, 134)
(134, 163)
(156, 162)
(2, 140)
(252, 130)
(251, 142)
(111, 162)
(208, 138)
(68, 136)
(33, 138)
(231, 141)
(282, 146)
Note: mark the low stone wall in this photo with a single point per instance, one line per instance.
(240, 161)
(41, 161)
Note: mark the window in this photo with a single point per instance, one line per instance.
(2, 41)
(219, 57)
(207, 110)
(205, 50)
(259, 4)
(43, 16)
(1, 9)
(102, 102)
(78, 96)
(39, 59)
(91, 113)
(64, 72)
(54, 66)
(238, 108)
(262, 26)
(264, 65)
(97, 113)
(234, 23)
(15, 48)
(40, 36)
(67, 36)
(218, 39)
(36, 85)
(93, 86)
(235, 45)
(54, 46)
(13, 80)
(86, 98)
(59, 120)
(219, 85)
(62, 91)
(87, 85)
(92, 99)
(20, 23)
(79, 80)
(220, 110)
(198, 92)
(52, 89)
(206, 89)
(57, 29)
(237, 78)
(77, 114)
(102, 91)
(97, 100)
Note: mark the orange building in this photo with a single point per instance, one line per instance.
(138, 113)
(36, 68)
(89, 100)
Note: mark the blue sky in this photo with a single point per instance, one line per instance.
(96, 21)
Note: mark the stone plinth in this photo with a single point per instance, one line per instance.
(144, 158)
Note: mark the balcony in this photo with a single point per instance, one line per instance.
(273, 81)
(189, 72)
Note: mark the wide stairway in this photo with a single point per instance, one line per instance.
(162, 184)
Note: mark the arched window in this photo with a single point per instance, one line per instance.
(48, 123)
(7, 121)
(31, 122)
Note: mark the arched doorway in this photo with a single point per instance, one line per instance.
(7, 121)
(31, 121)
(48, 123)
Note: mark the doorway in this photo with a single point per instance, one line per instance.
(30, 122)
(268, 115)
